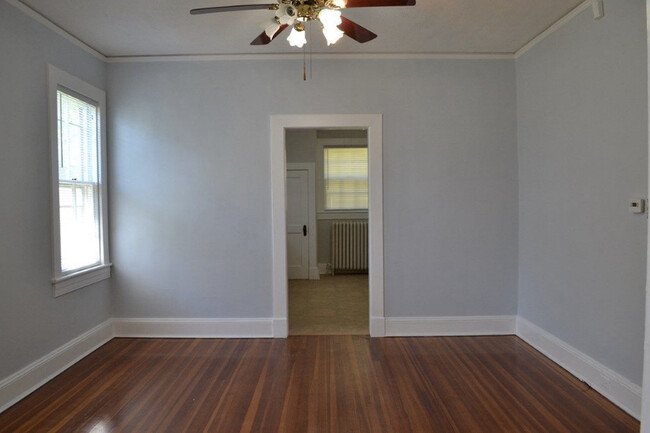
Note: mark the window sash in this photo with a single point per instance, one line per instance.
(345, 177)
(79, 225)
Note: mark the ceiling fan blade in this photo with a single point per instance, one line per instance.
(377, 3)
(263, 39)
(355, 31)
(212, 10)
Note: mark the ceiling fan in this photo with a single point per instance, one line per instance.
(296, 13)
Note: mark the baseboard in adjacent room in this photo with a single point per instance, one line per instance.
(324, 268)
(193, 328)
(314, 273)
(450, 326)
(17, 386)
(607, 382)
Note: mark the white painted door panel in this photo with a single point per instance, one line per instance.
(297, 224)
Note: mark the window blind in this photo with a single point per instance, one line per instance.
(346, 178)
(79, 189)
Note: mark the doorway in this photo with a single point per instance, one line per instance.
(333, 300)
(371, 124)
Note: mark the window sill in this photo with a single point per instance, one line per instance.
(78, 280)
(342, 215)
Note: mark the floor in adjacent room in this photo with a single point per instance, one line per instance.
(333, 305)
(327, 384)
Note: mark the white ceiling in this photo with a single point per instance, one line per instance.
(165, 27)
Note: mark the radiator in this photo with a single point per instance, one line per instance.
(349, 245)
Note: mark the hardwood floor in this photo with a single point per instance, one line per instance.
(316, 384)
(333, 305)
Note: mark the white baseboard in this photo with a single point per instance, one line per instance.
(314, 273)
(323, 268)
(450, 326)
(20, 384)
(607, 382)
(280, 327)
(377, 327)
(193, 328)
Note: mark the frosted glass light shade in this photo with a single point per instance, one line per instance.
(297, 38)
(332, 34)
(329, 17)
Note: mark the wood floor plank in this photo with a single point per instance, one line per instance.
(319, 384)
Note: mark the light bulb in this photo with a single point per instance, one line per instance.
(329, 17)
(332, 34)
(270, 27)
(297, 38)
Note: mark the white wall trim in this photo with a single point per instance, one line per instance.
(280, 327)
(315, 56)
(25, 381)
(193, 328)
(450, 326)
(56, 28)
(371, 122)
(323, 268)
(554, 27)
(607, 382)
(63, 282)
(314, 273)
(645, 415)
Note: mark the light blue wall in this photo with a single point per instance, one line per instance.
(484, 162)
(582, 137)
(32, 322)
(191, 193)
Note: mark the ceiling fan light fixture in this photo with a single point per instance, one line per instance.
(332, 34)
(297, 37)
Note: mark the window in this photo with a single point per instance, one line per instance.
(346, 177)
(80, 248)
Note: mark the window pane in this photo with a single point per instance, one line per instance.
(346, 178)
(78, 183)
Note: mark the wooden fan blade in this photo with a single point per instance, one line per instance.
(263, 39)
(377, 3)
(212, 10)
(355, 31)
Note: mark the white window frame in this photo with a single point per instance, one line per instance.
(66, 282)
(331, 214)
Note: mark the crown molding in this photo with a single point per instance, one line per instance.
(316, 56)
(56, 28)
(554, 27)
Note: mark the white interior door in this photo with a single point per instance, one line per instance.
(297, 224)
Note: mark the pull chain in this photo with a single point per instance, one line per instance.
(310, 53)
(304, 63)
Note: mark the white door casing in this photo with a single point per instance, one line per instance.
(298, 224)
(373, 124)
